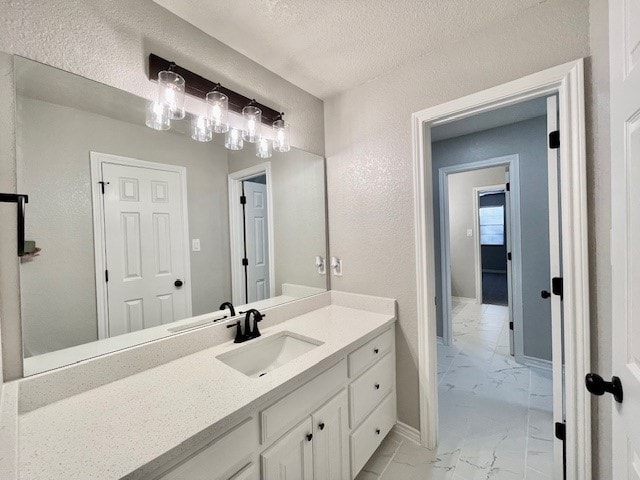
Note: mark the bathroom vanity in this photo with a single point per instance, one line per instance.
(319, 410)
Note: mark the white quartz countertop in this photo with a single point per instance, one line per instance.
(120, 428)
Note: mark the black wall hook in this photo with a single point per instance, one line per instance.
(21, 201)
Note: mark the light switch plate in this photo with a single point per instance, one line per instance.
(195, 244)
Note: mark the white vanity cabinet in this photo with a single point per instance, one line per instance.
(326, 429)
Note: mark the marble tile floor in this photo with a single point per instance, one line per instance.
(495, 414)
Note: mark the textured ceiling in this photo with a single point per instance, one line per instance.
(329, 46)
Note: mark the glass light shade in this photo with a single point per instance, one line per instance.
(252, 121)
(218, 111)
(233, 139)
(158, 116)
(201, 129)
(263, 148)
(171, 92)
(281, 136)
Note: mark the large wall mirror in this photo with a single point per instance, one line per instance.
(136, 234)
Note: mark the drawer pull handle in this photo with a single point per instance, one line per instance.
(376, 350)
(377, 385)
(321, 425)
(309, 436)
(377, 431)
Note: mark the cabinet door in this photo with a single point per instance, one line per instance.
(290, 458)
(330, 440)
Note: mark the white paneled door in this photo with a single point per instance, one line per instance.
(144, 245)
(624, 44)
(256, 219)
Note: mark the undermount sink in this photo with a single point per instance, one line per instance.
(259, 357)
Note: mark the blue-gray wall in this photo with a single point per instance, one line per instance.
(528, 140)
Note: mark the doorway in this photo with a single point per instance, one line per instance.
(252, 234)
(141, 230)
(571, 406)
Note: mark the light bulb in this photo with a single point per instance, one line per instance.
(233, 139)
(282, 136)
(218, 111)
(201, 129)
(158, 116)
(263, 148)
(252, 118)
(171, 90)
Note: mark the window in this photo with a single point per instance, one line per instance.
(492, 225)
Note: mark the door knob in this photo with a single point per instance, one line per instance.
(545, 294)
(178, 283)
(597, 386)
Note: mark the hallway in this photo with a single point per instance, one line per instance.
(495, 415)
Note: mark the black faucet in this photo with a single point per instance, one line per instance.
(230, 306)
(249, 332)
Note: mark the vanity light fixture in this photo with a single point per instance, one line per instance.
(158, 116)
(252, 117)
(175, 81)
(218, 110)
(233, 139)
(264, 148)
(201, 129)
(171, 90)
(282, 135)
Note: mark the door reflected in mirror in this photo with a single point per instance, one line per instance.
(144, 233)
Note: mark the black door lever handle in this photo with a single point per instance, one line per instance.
(545, 294)
(597, 386)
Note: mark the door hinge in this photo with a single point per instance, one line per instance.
(561, 431)
(106, 275)
(102, 184)
(508, 186)
(245, 262)
(510, 325)
(557, 286)
(509, 256)
(554, 139)
(243, 200)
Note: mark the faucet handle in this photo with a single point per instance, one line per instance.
(239, 337)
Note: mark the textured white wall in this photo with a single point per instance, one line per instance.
(369, 164)
(461, 213)
(110, 42)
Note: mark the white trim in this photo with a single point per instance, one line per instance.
(511, 161)
(407, 431)
(477, 247)
(235, 229)
(99, 241)
(464, 300)
(568, 81)
(534, 362)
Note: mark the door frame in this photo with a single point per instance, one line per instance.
(511, 161)
(476, 228)
(236, 241)
(567, 81)
(99, 232)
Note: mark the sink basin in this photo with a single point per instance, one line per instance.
(258, 357)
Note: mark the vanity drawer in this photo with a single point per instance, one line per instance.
(223, 457)
(287, 412)
(370, 434)
(370, 353)
(370, 388)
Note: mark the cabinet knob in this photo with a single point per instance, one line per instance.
(377, 386)
(321, 425)
(375, 350)
(377, 431)
(309, 436)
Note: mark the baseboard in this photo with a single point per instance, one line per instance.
(405, 431)
(463, 299)
(536, 363)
